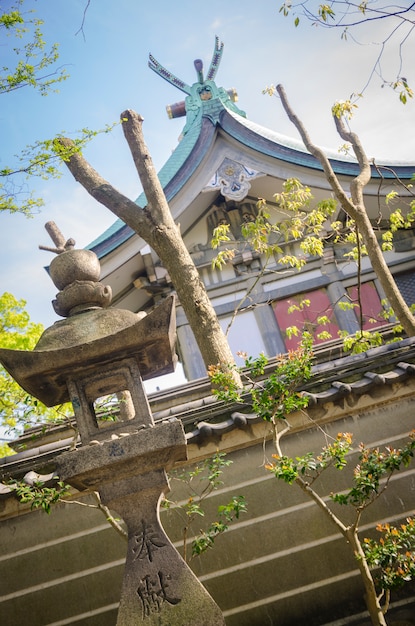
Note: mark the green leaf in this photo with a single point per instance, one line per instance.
(17, 408)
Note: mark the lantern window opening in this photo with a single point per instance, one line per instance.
(112, 407)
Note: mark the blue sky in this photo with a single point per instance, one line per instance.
(109, 73)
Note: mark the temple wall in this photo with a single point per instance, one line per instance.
(281, 563)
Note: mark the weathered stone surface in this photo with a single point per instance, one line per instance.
(74, 265)
(78, 344)
(95, 355)
(80, 296)
(158, 586)
(86, 328)
(118, 459)
(130, 474)
(119, 381)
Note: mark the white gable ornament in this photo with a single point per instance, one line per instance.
(232, 179)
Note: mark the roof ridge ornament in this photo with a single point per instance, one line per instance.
(204, 97)
(154, 65)
(216, 59)
(198, 63)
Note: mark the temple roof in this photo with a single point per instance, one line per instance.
(220, 117)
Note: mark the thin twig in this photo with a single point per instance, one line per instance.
(81, 28)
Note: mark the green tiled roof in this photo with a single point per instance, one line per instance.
(199, 133)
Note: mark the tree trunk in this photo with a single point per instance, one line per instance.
(371, 598)
(349, 533)
(156, 226)
(168, 244)
(192, 295)
(356, 209)
(386, 279)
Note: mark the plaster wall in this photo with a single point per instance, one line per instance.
(281, 563)
(244, 334)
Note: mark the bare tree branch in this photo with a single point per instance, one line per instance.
(349, 16)
(317, 152)
(132, 124)
(81, 28)
(355, 208)
(105, 193)
(156, 226)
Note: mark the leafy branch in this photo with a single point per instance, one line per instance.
(201, 481)
(43, 159)
(354, 206)
(32, 58)
(40, 496)
(17, 408)
(277, 395)
(227, 513)
(393, 554)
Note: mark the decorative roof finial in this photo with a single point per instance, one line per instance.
(62, 244)
(76, 274)
(180, 84)
(198, 63)
(204, 97)
(154, 65)
(216, 58)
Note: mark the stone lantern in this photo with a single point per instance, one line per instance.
(97, 353)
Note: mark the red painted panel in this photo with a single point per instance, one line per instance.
(306, 319)
(371, 305)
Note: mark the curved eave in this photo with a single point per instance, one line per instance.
(174, 174)
(190, 152)
(201, 148)
(115, 236)
(271, 144)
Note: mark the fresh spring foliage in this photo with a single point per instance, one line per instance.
(391, 558)
(295, 219)
(277, 394)
(296, 229)
(42, 159)
(200, 482)
(371, 474)
(19, 410)
(273, 396)
(35, 62)
(393, 554)
(310, 466)
(227, 513)
(40, 496)
(362, 340)
(32, 64)
(373, 466)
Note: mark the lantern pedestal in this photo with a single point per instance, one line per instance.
(129, 473)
